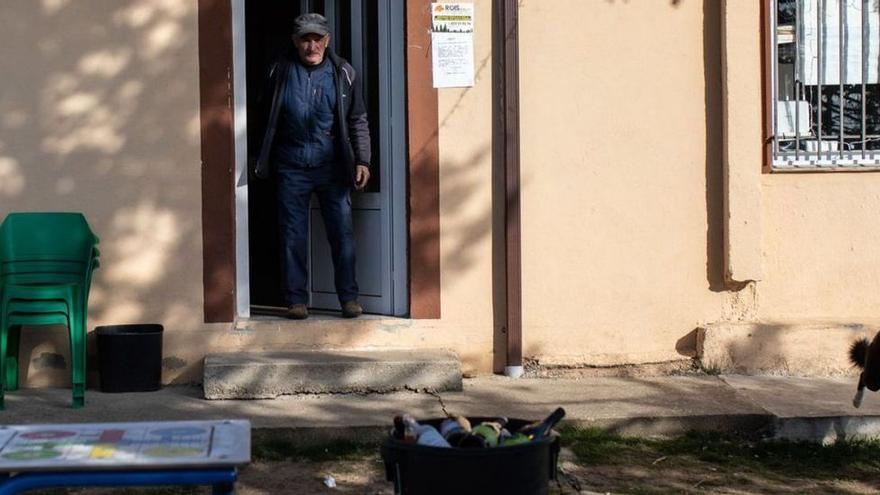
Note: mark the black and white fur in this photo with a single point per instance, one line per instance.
(866, 356)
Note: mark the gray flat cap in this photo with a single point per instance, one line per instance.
(310, 24)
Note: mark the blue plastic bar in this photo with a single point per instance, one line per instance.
(222, 480)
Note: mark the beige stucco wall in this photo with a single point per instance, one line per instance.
(659, 151)
(817, 241)
(641, 188)
(822, 247)
(466, 201)
(742, 153)
(620, 185)
(99, 112)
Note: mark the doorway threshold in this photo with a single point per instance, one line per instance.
(274, 313)
(272, 319)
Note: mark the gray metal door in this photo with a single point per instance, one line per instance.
(370, 34)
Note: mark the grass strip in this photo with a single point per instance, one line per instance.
(337, 450)
(853, 458)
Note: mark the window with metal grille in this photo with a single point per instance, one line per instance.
(825, 106)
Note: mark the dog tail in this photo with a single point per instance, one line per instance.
(858, 352)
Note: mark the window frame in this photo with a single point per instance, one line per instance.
(833, 161)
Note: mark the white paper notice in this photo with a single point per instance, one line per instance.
(452, 42)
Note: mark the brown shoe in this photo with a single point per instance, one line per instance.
(351, 309)
(297, 312)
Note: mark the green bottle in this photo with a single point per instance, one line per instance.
(515, 439)
(489, 431)
(538, 430)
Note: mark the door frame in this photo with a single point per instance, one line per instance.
(224, 157)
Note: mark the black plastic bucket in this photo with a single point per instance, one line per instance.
(130, 357)
(524, 469)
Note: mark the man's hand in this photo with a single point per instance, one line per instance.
(361, 177)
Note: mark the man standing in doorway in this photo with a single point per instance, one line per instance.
(317, 140)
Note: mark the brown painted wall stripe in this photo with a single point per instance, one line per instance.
(218, 164)
(424, 165)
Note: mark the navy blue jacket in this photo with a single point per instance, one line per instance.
(306, 131)
(352, 133)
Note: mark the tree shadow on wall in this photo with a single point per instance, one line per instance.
(101, 115)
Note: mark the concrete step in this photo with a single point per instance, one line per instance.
(265, 375)
(792, 348)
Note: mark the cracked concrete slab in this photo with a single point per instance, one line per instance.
(638, 406)
(788, 397)
(796, 408)
(811, 409)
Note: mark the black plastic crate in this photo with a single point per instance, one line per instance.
(524, 469)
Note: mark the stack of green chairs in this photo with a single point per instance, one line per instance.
(46, 264)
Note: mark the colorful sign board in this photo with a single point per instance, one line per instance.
(110, 446)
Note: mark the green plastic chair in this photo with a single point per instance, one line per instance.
(46, 262)
(22, 311)
(47, 297)
(46, 237)
(23, 317)
(67, 295)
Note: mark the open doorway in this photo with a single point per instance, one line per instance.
(370, 35)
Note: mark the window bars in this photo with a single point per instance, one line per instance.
(825, 91)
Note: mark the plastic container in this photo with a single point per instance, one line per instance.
(130, 357)
(515, 470)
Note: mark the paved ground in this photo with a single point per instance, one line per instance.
(798, 408)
